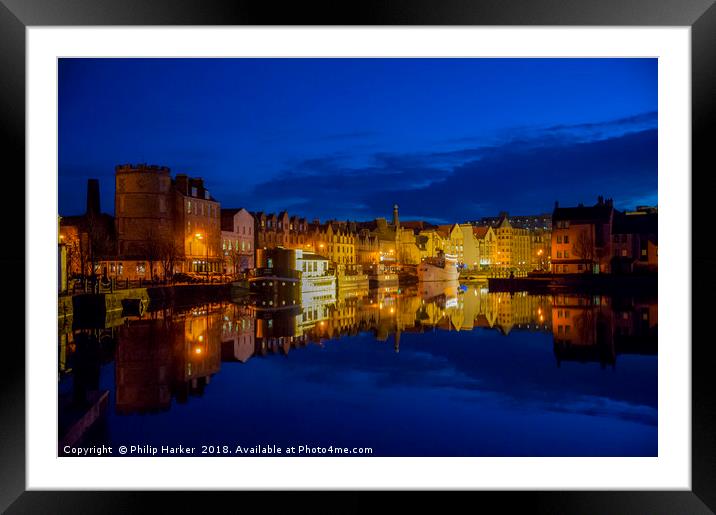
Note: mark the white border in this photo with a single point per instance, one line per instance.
(670, 470)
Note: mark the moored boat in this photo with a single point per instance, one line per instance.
(440, 268)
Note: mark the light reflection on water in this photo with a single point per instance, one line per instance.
(436, 370)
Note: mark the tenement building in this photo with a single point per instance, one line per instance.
(280, 230)
(582, 238)
(237, 240)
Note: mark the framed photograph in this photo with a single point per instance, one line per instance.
(414, 247)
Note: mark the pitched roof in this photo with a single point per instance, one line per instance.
(445, 230)
(480, 232)
(504, 222)
(414, 224)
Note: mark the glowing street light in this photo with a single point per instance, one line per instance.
(199, 236)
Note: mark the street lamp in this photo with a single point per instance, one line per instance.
(541, 259)
(200, 236)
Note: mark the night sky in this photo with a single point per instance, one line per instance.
(449, 140)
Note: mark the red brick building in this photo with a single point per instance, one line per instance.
(582, 238)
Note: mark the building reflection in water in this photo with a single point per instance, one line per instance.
(172, 354)
(167, 354)
(597, 328)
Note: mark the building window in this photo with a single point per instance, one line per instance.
(566, 253)
(559, 239)
(193, 191)
(188, 207)
(566, 238)
(559, 253)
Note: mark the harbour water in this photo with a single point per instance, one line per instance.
(432, 370)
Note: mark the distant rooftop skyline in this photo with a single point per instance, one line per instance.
(449, 140)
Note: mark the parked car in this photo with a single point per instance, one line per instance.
(185, 278)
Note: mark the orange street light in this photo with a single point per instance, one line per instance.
(200, 236)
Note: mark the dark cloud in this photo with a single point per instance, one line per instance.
(524, 175)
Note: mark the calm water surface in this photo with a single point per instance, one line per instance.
(447, 372)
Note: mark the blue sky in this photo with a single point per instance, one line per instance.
(447, 139)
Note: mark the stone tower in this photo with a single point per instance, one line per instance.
(144, 207)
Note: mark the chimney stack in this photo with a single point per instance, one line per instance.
(93, 197)
(182, 183)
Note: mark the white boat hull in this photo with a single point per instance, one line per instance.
(428, 273)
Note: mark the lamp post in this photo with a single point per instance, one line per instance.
(200, 236)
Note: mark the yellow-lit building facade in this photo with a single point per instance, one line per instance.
(335, 243)
(453, 241)
(429, 242)
(471, 256)
(486, 241)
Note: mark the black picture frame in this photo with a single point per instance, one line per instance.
(700, 15)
